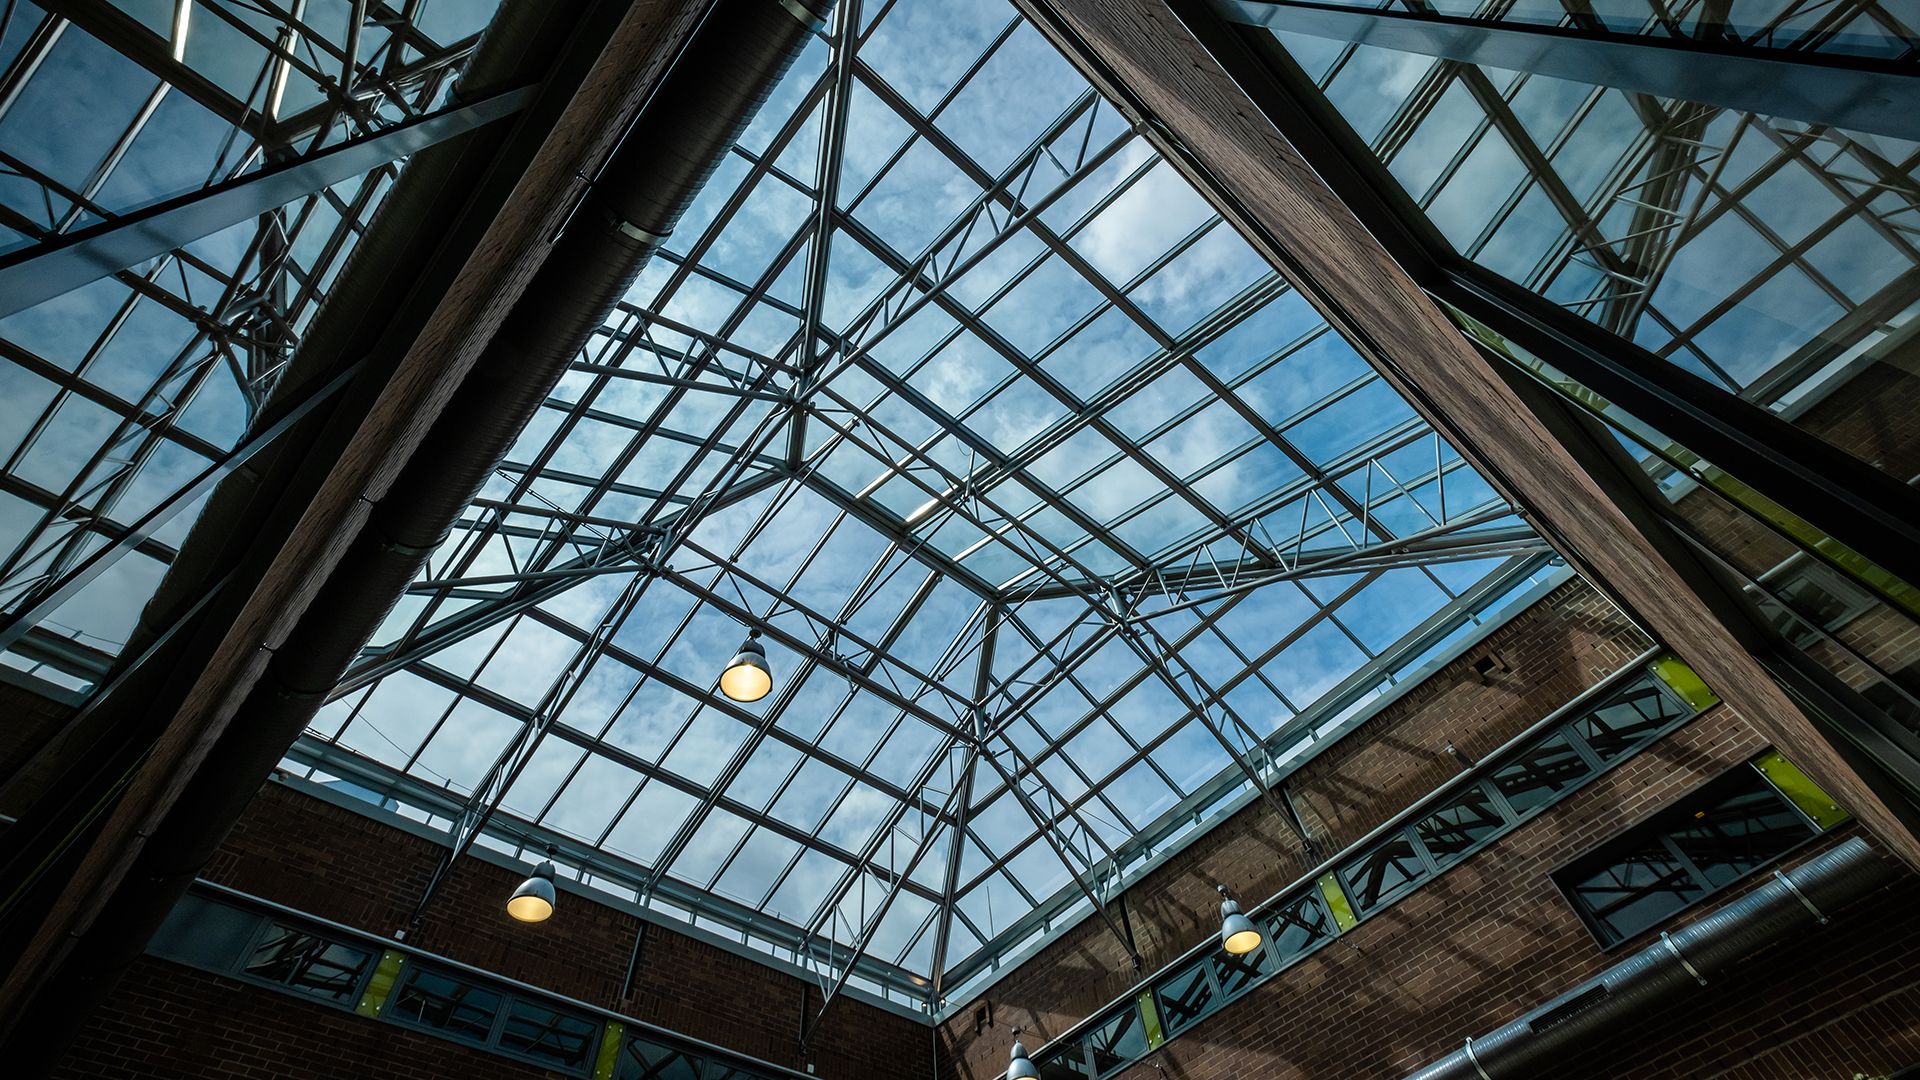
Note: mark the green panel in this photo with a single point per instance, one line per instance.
(1150, 1019)
(1681, 678)
(1800, 789)
(382, 983)
(1337, 902)
(603, 1069)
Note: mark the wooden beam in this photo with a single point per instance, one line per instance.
(459, 327)
(1139, 53)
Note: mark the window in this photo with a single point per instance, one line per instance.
(1185, 998)
(548, 1034)
(643, 1059)
(1295, 927)
(1618, 725)
(205, 933)
(1391, 864)
(1712, 838)
(447, 1005)
(1068, 1061)
(1238, 973)
(308, 963)
(1537, 775)
(1120, 1039)
(315, 962)
(1469, 818)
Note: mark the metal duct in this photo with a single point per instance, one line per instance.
(1664, 973)
(723, 75)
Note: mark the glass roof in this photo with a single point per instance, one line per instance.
(1060, 511)
(115, 396)
(1774, 257)
(1045, 488)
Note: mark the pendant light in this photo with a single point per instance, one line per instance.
(1238, 935)
(747, 677)
(533, 901)
(1020, 1066)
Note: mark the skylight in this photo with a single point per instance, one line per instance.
(1059, 509)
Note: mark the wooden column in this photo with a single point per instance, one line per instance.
(1138, 52)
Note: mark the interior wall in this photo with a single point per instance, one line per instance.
(1566, 642)
(332, 862)
(1488, 939)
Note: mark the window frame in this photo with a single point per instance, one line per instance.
(412, 969)
(264, 926)
(1658, 826)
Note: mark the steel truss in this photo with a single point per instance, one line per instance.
(235, 322)
(752, 435)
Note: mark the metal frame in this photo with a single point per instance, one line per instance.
(1713, 415)
(308, 182)
(1751, 72)
(957, 616)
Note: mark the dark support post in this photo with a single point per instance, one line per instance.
(633, 962)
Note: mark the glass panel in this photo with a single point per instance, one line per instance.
(1639, 888)
(1747, 828)
(1469, 818)
(1185, 997)
(1299, 925)
(715, 1070)
(1066, 1062)
(1237, 973)
(548, 1034)
(153, 391)
(308, 963)
(447, 1005)
(1380, 871)
(1118, 1040)
(204, 933)
(1626, 719)
(642, 1059)
(1539, 773)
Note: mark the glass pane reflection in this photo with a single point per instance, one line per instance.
(1540, 772)
(1467, 819)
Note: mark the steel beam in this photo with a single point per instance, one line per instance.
(1838, 89)
(60, 265)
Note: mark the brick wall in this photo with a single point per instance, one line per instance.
(294, 849)
(1565, 643)
(1876, 416)
(166, 1021)
(1484, 942)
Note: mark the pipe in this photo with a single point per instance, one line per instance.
(1663, 974)
(726, 71)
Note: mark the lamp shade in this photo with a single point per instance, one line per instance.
(1237, 933)
(1021, 1067)
(533, 900)
(747, 677)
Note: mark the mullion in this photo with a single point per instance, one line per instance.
(1056, 247)
(707, 698)
(1253, 666)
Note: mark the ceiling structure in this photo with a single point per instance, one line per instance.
(1057, 506)
(119, 394)
(1061, 511)
(1749, 249)
(1064, 516)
